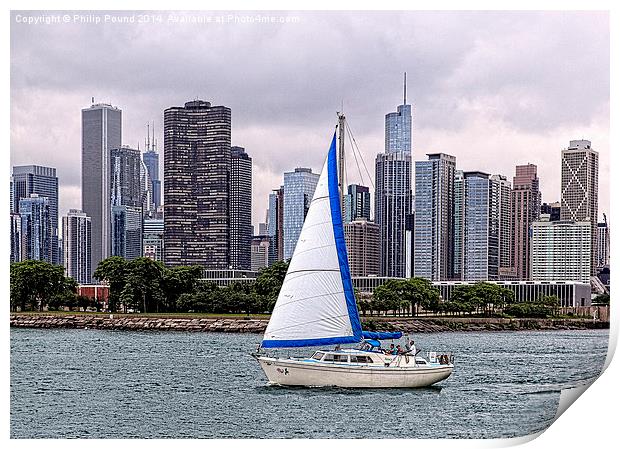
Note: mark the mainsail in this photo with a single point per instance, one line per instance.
(316, 305)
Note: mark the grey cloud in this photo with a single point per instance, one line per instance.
(533, 72)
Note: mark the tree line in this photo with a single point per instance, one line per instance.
(147, 286)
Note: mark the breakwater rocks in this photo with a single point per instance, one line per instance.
(188, 324)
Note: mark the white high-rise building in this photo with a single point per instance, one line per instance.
(76, 242)
(561, 250)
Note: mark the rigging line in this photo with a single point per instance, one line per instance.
(355, 155)
(363, 162)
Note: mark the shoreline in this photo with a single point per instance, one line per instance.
(257, 325)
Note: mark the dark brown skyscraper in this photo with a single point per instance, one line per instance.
(196, 185)
(525, 210)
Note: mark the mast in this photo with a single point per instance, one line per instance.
(341, 120)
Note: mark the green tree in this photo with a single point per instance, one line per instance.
(177, 281)
(602, 298)
(114, 271)
(420, 292)
(142, 288)
(34, 283)
(269, 282)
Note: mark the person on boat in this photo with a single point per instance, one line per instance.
(410, 347)
(399, 350)
(392, 349)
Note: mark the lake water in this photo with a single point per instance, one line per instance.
(69, 383)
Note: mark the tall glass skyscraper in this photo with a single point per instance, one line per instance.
(126, 202)
(393, 196)
(434, 217)
(299, 188)
(42, 181)
(101, 131)
(197, 185)
(36, 228)
(356, 203)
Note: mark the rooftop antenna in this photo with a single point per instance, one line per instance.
(92, 100)
(148, 137)
(405, 89)
(153, 140)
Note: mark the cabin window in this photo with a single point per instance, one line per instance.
(318, 355)
(341, 358)
(328, 358)
(360, 359)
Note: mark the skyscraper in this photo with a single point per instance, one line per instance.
(502, 214)
(151, 161)
(260, 252)
(356, 203)
(197, 185)
(602, 243)
(434, 217)
(393, 196)
(459, 225)
(42, 181)
(579, 200)
(526, 199)
(299, 188)
(16, 238)
(481, 243)
(240, 208)
(275, 225)
(398, 127)
(393, 200)
(127, 196)
(76, 239)
(101, 131)
(36, 228)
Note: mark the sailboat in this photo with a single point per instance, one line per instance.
(316, 307)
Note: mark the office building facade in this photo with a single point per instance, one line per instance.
(579, 200)
(42, 181)
(526, 206)
(434, 217)
(127, 201)
(299, 186)
(551, 209)
(240, 208)
(362, 238)
(393, 202)
(101, 131)
(356, 203)
(561, 250)
(197, 185)
(36, 228)
(16, 238)
(602, 246)
(260, 252)
(76, 240)
(153, 239)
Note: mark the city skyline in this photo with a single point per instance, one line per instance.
(471, 99)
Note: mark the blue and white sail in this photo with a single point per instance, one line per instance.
(316, 305)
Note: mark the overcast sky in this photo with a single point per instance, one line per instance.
(494, 89)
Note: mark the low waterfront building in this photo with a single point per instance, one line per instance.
(570, 294)
(226, 277)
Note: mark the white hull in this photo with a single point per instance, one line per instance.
(296, 372)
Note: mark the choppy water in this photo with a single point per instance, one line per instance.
(123, 384)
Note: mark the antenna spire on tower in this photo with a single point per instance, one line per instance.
(405, 89)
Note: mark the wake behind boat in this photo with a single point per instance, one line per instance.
(316, 307)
